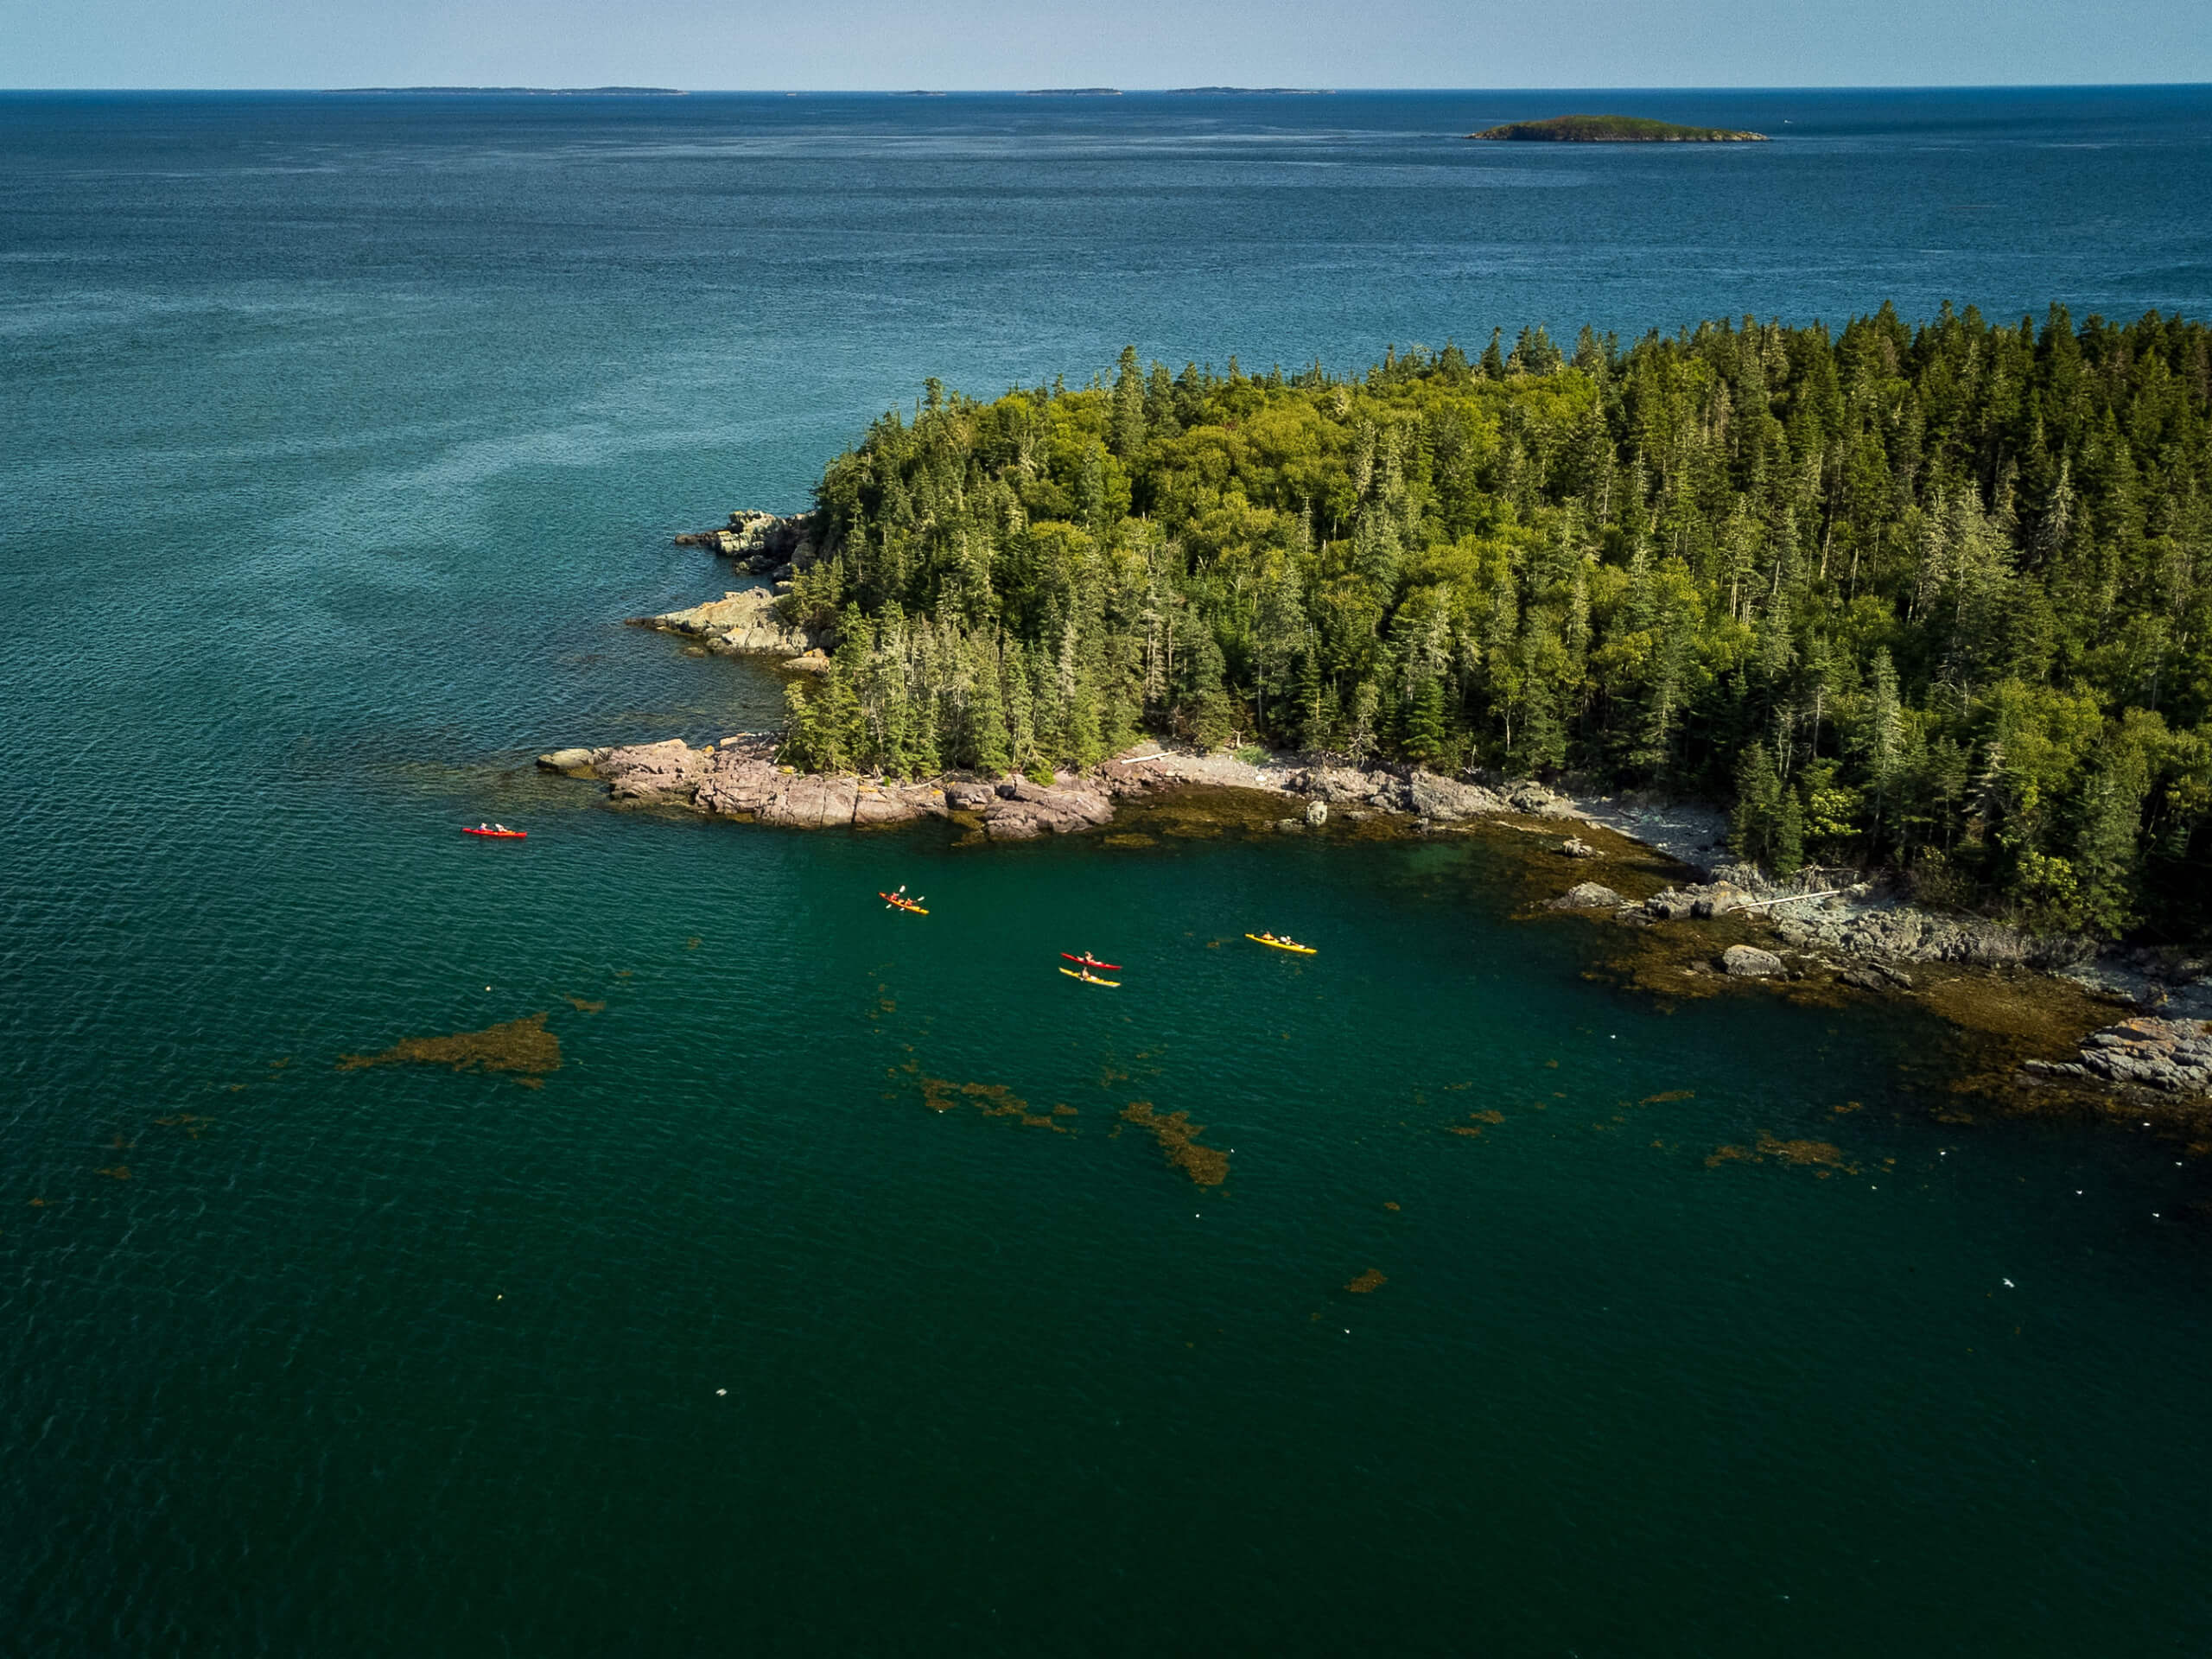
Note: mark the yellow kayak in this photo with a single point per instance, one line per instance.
(1090, 979)
(1282, 944)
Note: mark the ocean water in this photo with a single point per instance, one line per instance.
(337, 435)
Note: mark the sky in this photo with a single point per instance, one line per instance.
(964, 44)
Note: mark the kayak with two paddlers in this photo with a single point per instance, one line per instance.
(899, 901)
(1089, 961)
(1285, 944)
(495, 831)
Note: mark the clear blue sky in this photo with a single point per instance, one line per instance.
(1135, 43)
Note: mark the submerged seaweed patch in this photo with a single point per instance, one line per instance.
(1176, 1134)
(1822, 1154)
(581, 1006)
(522, 1045)
(1372, 1280)
(992, 1099)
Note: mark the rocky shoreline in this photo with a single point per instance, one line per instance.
(1839, 923)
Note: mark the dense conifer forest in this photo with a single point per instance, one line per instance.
(1937, 598)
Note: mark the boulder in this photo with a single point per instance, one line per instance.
(1317, 814)
(814, 662)
(969, 796)
(1716, 899)
(1749, 962)
(1576, 847)
(570, 760)
(1588, 895)
(1532, 797)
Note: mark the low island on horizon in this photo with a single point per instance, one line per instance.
(1614, 130)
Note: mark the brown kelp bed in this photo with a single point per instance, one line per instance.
(521, 1046)
(1178, 1139)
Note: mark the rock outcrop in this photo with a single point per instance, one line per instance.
(1443, 801)
(761, 542)
(742, 779)
(652, 773)
(746, 620)
(1538, 801)
(1021, 810)
(1349, 786)
(2174, 1056)
(1702, 901)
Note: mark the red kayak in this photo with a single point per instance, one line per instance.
(495, 835)
(1089, 961)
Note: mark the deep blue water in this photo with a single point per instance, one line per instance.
(338, 433)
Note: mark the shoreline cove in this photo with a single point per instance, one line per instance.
(2109, 1032)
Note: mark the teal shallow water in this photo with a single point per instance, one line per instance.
(338, 443)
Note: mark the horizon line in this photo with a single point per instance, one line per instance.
(1219, 88)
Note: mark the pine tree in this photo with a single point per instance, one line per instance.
(987, 746)
(1790, 835)
(1129, 406)
(1758, 801)
(1424, 739)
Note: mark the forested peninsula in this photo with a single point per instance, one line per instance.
(1937, 598)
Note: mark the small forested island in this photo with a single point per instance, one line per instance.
(1935, 599)
(1613, 130)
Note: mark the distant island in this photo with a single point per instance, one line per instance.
(1250, 92)
(1073, 92)
(1614, 130)
(520, 92)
